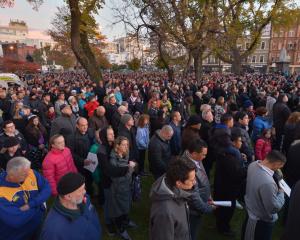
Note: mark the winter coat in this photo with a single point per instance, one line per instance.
(246, 140)
(259, 124)
(230, 175)
(130, 135)
(269, 106)
(281, 113)
(200, 194)
(63, 224)
(56, 164)
(262, 148)
(292, 230)
(169, 214)
(115, 121)
(289, 132)
(219, 139)
(176, 139)
(142, 138)
(292, 166)
(97, 122)
(82, 146)
(91, 107)
(14, 223)
(159, 153)
(65, 126)
(120, 189)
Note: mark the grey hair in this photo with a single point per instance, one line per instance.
(205, 107)
(17, 163)
(167, 129)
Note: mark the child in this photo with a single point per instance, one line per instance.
(263, 145)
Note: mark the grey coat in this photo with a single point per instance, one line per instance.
(65, 126)
(120, 189)
(169, 214)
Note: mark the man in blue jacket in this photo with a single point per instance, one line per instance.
(23, 192)
(72, 215)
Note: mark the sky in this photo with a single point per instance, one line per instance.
(41, 19)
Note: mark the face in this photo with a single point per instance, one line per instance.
(101, 112)
(130, 122)
(77, 196)
(2, 93)
(67, 110)
(244, 121)
(51, 110)
(189, 183)
(10, 128)
(13, 149)
(276, 166)
(123, 147)
(209, 116)
(82, 125)
(268, 134)
(110, 135)
(47, 98)
(59, 143)
(285, 99)
(154, 104)
(168, 135)
(178, 117)
(200, 156)
(230, 123)
(112, 100)
(62, 96)
(238, 143)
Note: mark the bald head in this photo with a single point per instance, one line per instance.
(82, 125)
(100, 111)
(122, 110)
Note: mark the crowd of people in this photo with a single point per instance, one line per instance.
(225, 138)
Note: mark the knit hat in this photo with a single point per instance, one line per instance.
(125, 118)
(69, 183)
(194, 120)
(11, 142)
(248, 103)
(63, 106)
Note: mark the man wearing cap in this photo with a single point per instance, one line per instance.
(12, 147)
(126, 130)
(23, 192)
(65, 125)
(72, 215)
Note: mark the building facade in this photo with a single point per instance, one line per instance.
(290, 40)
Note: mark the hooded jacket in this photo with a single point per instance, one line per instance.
(14, 223)
(169, 214)
(65, 224)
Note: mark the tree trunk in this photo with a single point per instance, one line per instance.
(197, 56)
(187, 66)
(80, 44)
(236, 66)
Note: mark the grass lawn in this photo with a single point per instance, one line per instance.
(140, 215)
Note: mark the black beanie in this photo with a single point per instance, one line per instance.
(69, 183)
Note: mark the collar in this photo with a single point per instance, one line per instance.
(188, 155)
(268, 170)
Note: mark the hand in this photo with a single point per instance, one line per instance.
(132, 164)
(87, 162)
(24, 207)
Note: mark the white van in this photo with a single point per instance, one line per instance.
(8, 79)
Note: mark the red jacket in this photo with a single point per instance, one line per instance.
(56, 164)
(262, 148)
(91, 107)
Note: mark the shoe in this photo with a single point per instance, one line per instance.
(124, 235)
(131, 224)
(110, 230)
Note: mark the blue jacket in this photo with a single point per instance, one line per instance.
(175, 141)
(14, 223)
(142, 138)
(64, 224)
(259, 124)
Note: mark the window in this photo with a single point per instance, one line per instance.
(253, 59)
(261, 59)
(290, 45)
(262, 45)
(281, 33)
(291, 33)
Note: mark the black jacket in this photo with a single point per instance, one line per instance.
(292, 230)
(169, 215)
(292, 166)
(159, 154)
(82, 145)
(130, 135)
(281, 113)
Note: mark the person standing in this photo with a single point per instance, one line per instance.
(264, 198)
(23, 192)
(72, 215)
(176, 138)
(169, 214)
(200, 202)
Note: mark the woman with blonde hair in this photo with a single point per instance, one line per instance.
(119, 198)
